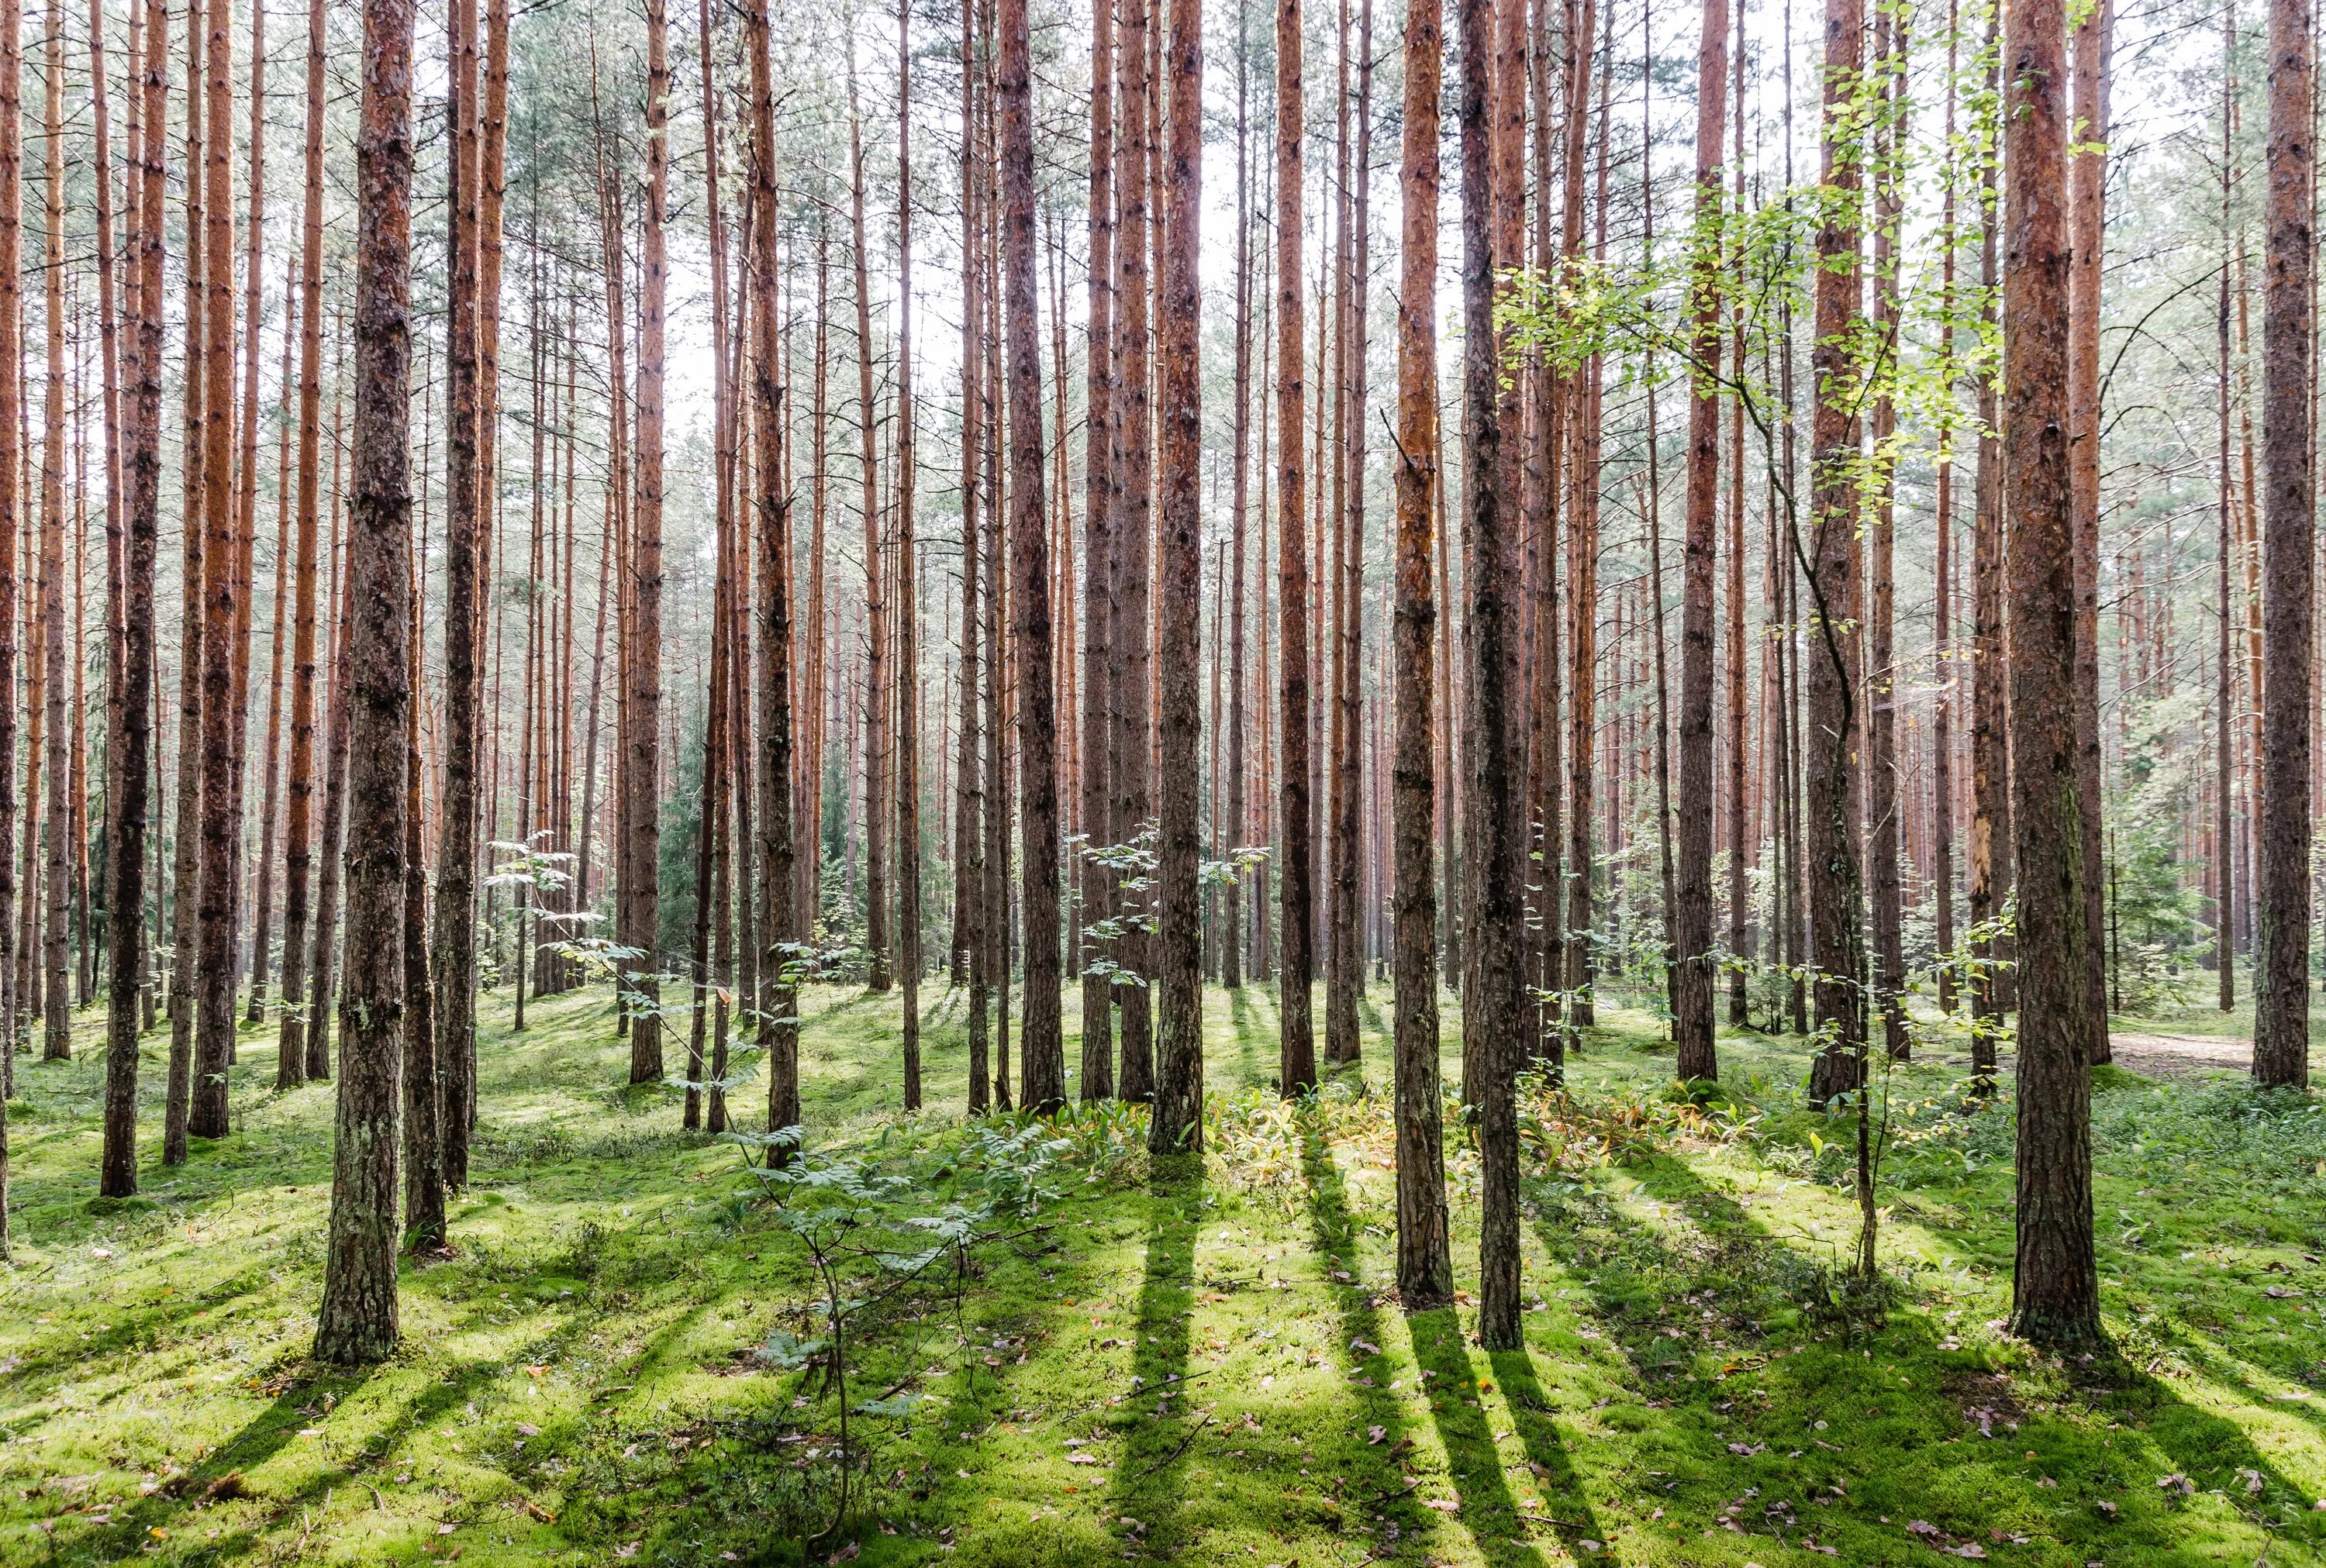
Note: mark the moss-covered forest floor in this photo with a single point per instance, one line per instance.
(1192, 1366)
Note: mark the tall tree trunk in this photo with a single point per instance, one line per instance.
(246, 528)
(1691, 919)
(358, 1320)
(221, 596)
(908, 606)
(57, 929)
(1882, 792)
(780, 922)
(427, 1109)
(128, 750)
(879, 695)
(1235, 834)
(2281, 1049)
(336, 744)
(1942, 655)
(972, 953)
(1425, 1263)
(2055, 1286)
(1491, 1003)
(1581, 477)
(1044, 1081)
(1990, 758)
(1099, 552)
(1836, 896)
(466, 498)
(1296, 964)
(1130, 748)
(2087, 214)
(1177, 1124)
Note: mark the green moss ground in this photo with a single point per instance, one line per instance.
(574, 1385)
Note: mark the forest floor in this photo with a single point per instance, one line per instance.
(1201, 1364)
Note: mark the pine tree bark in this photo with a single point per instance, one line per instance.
(1990, 762)
(642, 744)
(879, 696)
(908, 609)
(1130, 752)
(1425, 1262)
(1296, 962)
(2055, 1291)
(1691, 922)
(57, 927)
(1491, 1003)
(2088, 213)
(2280, 1051)
(779, 921)
(332, 834)
(130, 749)
(221, 599)
(1177, 1124)
(1099, 549)
(357, 1324)
(1836, 918)
(1043, 1085)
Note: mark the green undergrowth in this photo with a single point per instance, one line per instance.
(1055, 1350)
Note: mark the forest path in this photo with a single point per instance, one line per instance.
(2160, 1055)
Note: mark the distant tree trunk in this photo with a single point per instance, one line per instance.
(1235, 834)
(1296, 964)
(246, 532)
(128, 750)
(358, 1320)
(427, 1108)
(780, 923)
(1882, 792)
(1990, 827)
(2225, 861)
(2282, 957)
(1836, 896)
(1043, 1086)
(1177, 1124)
(1099, 552)
(1130, 752)
(222, 600)
(879, 695)
(1425, 1263)
(262, 927)
(1581, 477)
(1491, 1003)
(908, 599)
(1691, 921)
(2055, 1286)
(57, 929)
(2087, 215)
(1942, 715)
(336, 745)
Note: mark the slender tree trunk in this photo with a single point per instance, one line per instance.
(1131, 754)
(879, 696)
(1836, 895)
(1043, 1083)
(337, 742)
(1691, 920)
(1990, 828)
(1099, 553)
(1490, 1002)
(2055, 1286)
(129, 746)
(1425, 1263)
(427, 1109)
(971, 956)
(1177, 1124)
(358, 1320)
(2087, 215)
(1942, 740)
(1235, 834)
(779, 923)
(2280, 1056)
(221, 596)
(1296, 965)
(908, 599)
(1882, 792)
(57, 928)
